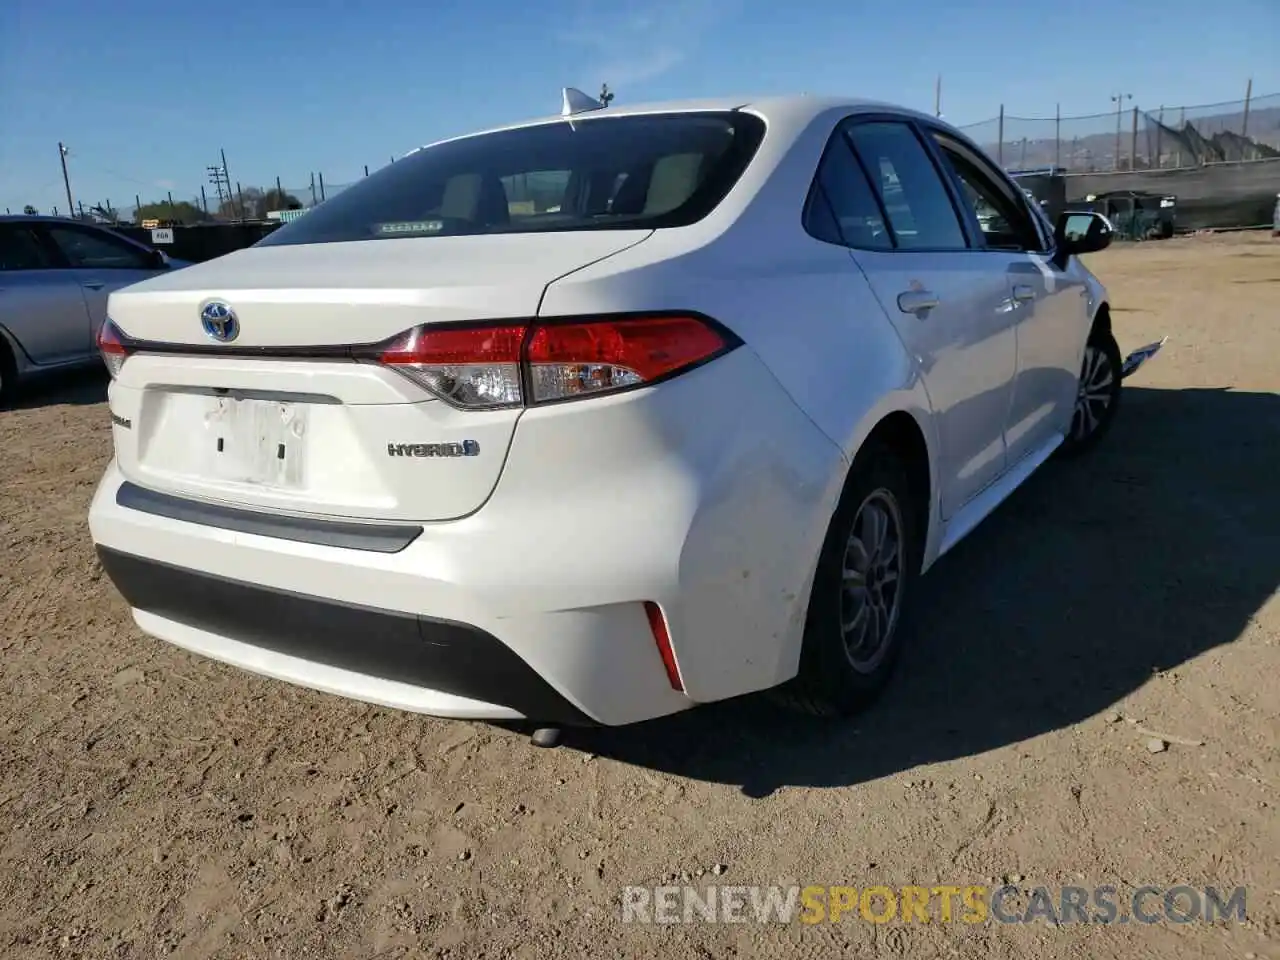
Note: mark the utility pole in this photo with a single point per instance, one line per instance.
(1133, 144)
(1159, 151)
(215, 178)
(66, 180)
(1000, 135)
(937, 97)
(226, 175)
(1248, 96)
(221, 183)
(1118, 99)
(1057, 134)
(606, 95)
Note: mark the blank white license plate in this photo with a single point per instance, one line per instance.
(256, 441)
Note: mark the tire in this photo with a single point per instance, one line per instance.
(837, 677)
(1097, 396)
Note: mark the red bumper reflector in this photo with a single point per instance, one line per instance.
(658, 625)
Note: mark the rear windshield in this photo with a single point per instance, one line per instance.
(600, 173)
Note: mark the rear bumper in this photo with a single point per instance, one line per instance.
(452, 625)
(400, 659)
(716, 518)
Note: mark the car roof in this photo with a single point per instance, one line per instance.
(796, 108)
(47, 218)
(50, 218)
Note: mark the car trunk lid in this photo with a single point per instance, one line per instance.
(286, 416)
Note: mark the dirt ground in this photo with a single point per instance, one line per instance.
(152, 803)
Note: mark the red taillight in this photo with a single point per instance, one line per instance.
(572, 359)
(112, 347)
(468, 366)
(658, 626)
(492, 365)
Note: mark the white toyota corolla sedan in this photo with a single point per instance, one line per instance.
(599, 417)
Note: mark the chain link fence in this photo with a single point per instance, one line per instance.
(1133, 138)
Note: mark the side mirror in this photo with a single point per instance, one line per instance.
(1081, 232)
(160, 260)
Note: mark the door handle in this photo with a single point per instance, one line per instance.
(1022, 293)
(918, 302)
(94, 284)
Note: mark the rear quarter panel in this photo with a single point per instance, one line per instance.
(805, 311)
(801, 305)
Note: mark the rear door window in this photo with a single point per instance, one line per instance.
(97, 249)
(910, 188)
(20, 249)
(598, 173)
(843, 207)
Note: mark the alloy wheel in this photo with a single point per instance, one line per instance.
(1093, 398)
(871, 594)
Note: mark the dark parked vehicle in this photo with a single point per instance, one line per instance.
(1134, 214)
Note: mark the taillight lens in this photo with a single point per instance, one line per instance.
(577, 359)
(112, 346)
(467, 366)
(493, 365)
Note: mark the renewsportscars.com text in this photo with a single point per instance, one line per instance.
(944, 903)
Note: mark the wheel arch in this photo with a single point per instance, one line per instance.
(902, 433)
(11, 347)
(907, 429)
(1101, 319)
(11, 352)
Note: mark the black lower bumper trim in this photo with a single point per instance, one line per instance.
(351, 534)
(441, 655)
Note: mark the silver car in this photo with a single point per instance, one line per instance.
(55, 275)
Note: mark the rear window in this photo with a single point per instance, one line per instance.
(600, 173)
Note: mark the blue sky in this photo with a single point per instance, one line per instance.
(145, 92)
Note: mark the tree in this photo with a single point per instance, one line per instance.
(179, 212)
(252, 203)
(275, 199)
(29, 210)
(241, 205)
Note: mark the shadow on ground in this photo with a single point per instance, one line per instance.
(70, 388)
(1156, 547)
